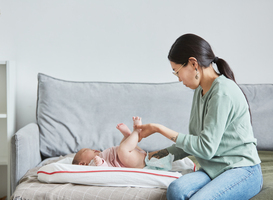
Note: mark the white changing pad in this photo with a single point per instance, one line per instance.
(64, 172)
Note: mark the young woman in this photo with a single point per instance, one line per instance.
(220, 132)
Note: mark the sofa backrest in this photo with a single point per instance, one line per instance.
(74, 115)
(260, 98)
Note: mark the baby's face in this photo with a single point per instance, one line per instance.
(86, 155)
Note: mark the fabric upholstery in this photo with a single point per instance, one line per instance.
(25, 152)
(260, 98)
(74, 115)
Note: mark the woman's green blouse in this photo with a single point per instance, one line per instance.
(220, 132)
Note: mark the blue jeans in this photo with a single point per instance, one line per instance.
(238, 183)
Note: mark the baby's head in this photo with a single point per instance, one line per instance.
(84, 156)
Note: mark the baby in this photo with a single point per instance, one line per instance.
(127, 154)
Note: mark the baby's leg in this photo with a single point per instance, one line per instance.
(131, 140)
(124, 130)
(127, 153)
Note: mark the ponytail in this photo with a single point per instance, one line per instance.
(224, 68)
(190, 45)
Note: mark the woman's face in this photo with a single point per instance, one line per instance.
(186, 74)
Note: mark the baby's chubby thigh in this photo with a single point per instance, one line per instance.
(131, 159)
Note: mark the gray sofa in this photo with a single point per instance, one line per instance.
(73, 115)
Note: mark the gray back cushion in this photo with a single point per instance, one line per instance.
(260, 98)
(74, 115)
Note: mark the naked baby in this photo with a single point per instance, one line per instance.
(127, 154)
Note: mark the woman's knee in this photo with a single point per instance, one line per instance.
(175, 191)
(187, 185)
(178, 189)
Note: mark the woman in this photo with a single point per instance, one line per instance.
(220, 132)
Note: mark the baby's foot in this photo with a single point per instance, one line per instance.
(124, 129)
(137, 121)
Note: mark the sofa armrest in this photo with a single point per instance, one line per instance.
(25, 152)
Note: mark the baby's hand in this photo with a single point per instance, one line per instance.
(98, 161)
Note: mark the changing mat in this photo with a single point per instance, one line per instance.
(64, 172)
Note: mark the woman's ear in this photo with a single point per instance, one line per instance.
(193, 62)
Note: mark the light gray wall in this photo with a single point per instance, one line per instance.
(121, 40)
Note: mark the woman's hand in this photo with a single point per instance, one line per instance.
(149, 129)
(146, 130)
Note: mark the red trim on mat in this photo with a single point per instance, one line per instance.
(194, 168)
(61, 172)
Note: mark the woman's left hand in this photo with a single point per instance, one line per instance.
(149, 129)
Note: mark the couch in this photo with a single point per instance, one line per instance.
(72, 115)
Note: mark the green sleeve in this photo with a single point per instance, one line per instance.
(177, 152)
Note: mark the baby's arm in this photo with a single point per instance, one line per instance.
(100, 161)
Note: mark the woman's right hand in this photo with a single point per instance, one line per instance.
(146, 130)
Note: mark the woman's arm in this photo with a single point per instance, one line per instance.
(149, 129)
(159, 154)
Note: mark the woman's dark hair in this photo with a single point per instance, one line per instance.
(190, 45)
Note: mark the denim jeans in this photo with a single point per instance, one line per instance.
(238, 183)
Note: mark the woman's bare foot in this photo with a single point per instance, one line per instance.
(124, 129)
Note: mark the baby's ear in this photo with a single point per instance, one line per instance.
(82, 163)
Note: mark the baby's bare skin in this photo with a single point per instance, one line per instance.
(127, 152)
(124, 129)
